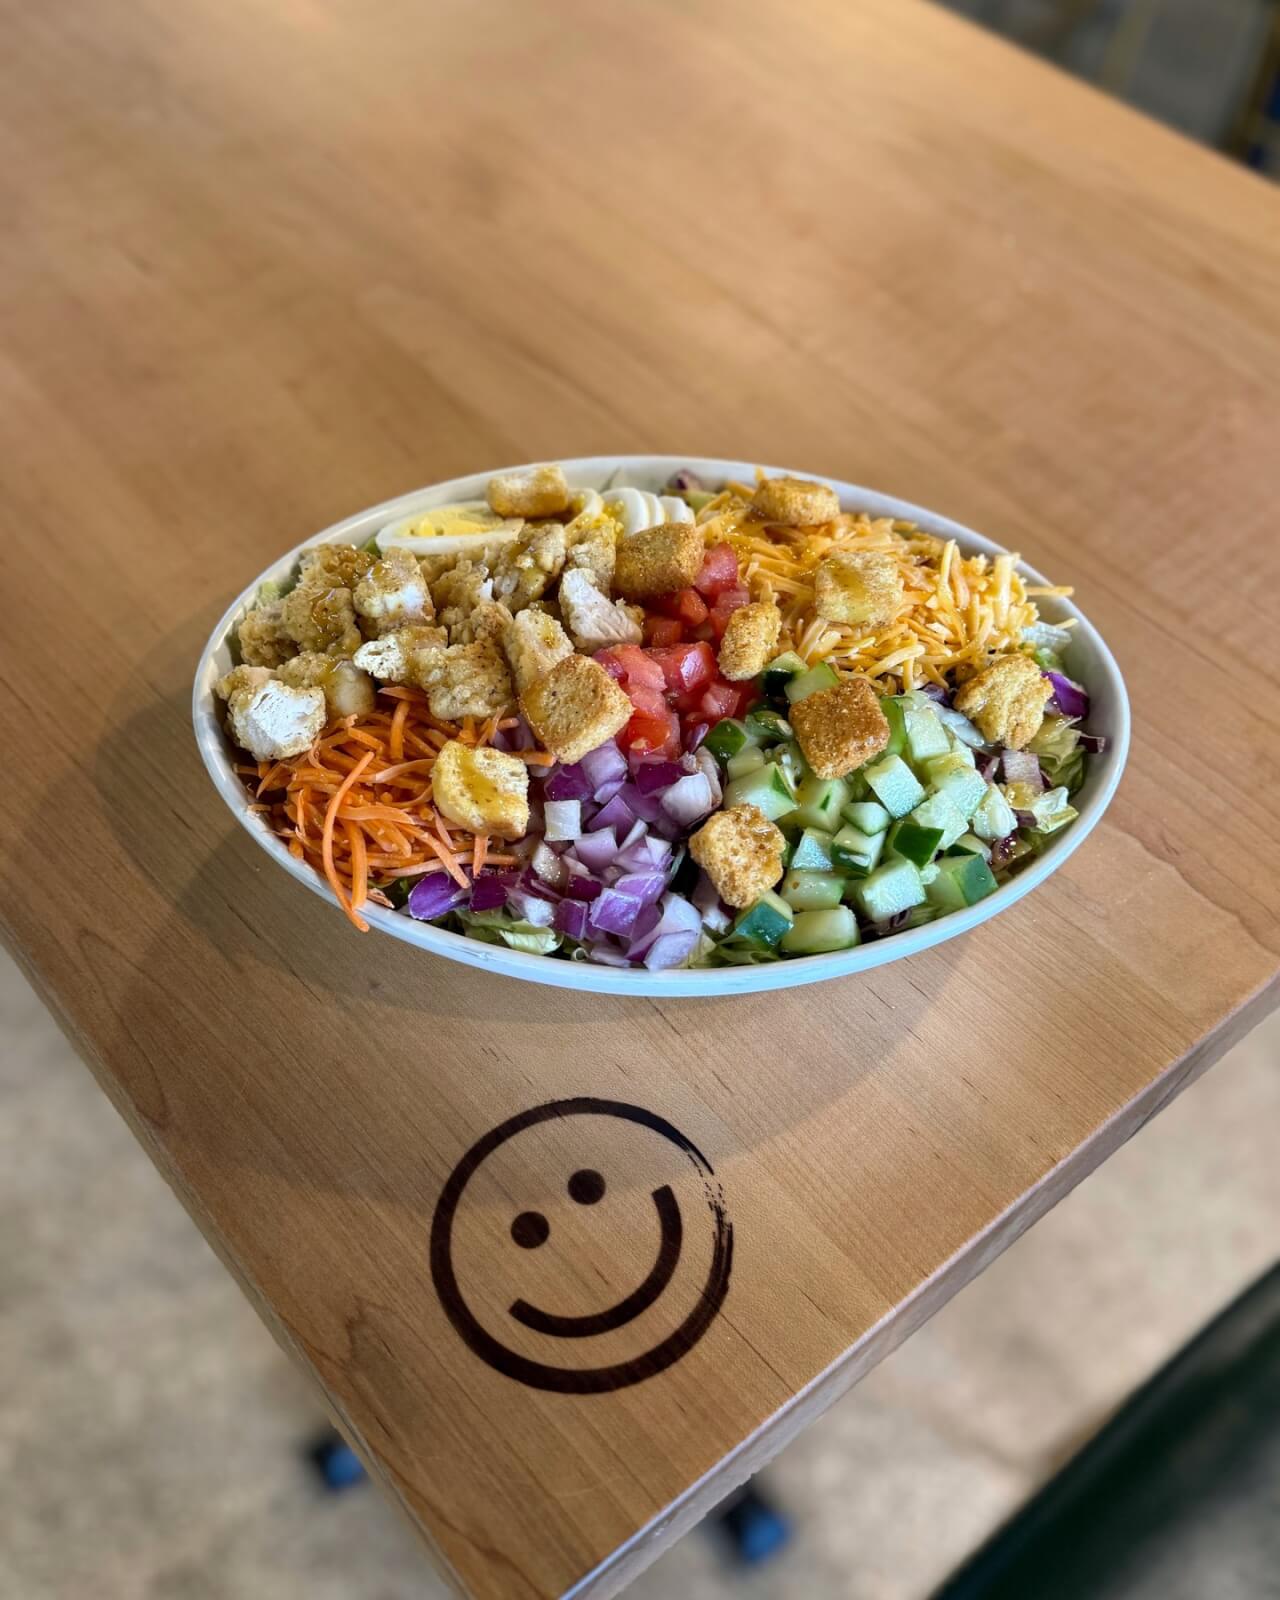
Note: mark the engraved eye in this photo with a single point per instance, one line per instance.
(530, 1229)
(586, 1187)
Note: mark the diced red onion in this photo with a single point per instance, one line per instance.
(644, 887)
(571, 919)
(433, 895)
(677, 916)
(489, 891)
(1020, 766)
(567, 783)
(684, 479)
(689, 800)
(716, 916)
(1002, 849)
(635, 834)
(530, 907)
(582, 887)
(617, 814)
(651, 776)
(938, 692)
(606, 791)
(604, 955)
(615, 912)
(549, 866)
(596, 851)
(696, 734)
(1071, 698)
(986, 766)
(604, 763)
(563, 819)
(710, 769)
(1093, 744)
(963, 729)
(648, 807)
(670, 950)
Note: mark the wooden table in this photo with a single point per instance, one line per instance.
(266, 261)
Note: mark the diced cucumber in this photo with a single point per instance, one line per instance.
(812, 682)
(854, 851)
(819, 802)
(779, 673)
(812, 852)
(895, 717)
(766, 788)
(763, 922)
(728, 738)
(928, 873)
(811, 891)
(913, 843)
(953, 776)
(767, 725)
(814, 932)
(918, 916)
(789, 758)
(925, 734)
(749, 759)
(859, 789)
(894, 887)
(961, 749)
(961, 881)
(940, 811)
(867, 816)
(968, 844)
(993, 817)
(894, 785)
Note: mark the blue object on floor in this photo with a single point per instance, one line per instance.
(756, 1531)
(337, 1463)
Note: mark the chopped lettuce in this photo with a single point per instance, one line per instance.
(1052, 810)
(1057, 747)
(499, 927)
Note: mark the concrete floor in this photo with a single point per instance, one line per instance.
(150, 1430)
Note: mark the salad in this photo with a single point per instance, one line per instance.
(712, 725)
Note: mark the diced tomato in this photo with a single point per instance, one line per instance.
(686, 605)
(719, 570)
(653, 733)
(662, 631)
(727, 602)
(748, 695)
(704, 630)
(647, 699)
(720, 699)
(608, 659)
(685, 666)
(639, 666)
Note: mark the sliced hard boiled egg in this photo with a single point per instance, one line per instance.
(450, 530)
(676, 509)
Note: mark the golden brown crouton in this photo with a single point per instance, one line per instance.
(658, 560)
(1006, 700)
(862, 588)
(327, 566)
(263, 639)
(393, 594)
(749, 640)
(391, 658)
(484, 791)
(531, 492)
(838, 729)
(238, 678)
(525, 570)
(533, 642)
(741, 851)
(575, 708)
(320, 617)
(794, 502)
(348, 692)
(466, 680)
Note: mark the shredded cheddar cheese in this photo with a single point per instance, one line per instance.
(956, 610)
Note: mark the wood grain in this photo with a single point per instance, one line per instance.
(261, 264)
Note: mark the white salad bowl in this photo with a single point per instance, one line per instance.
(1089, 661)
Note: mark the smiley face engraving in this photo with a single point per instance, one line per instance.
(531, 1230)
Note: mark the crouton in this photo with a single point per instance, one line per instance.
(393, 594)
(484, 790)
(238, 678)
(863, 589)
(525, 570)
(657, 560)
(531, 492)
(533, 642)
(1006, 700)
(750, 638)
(593, 620)
(741, 851)
(391, 658)
(575, 708)
(838, 729)
(794, 502)
(264, 641)
(321, 617)
(273, 721)
(348, 692)
(486, 624)
(466, 680)
(327, 566)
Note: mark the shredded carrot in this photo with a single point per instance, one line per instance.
(358, 804)
(536, 758)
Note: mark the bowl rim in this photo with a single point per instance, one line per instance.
(1104, 770)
